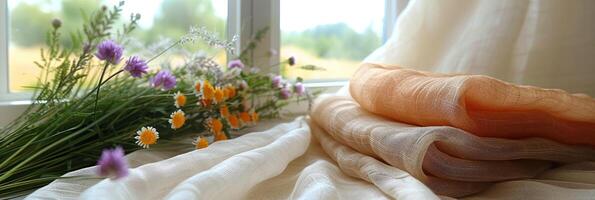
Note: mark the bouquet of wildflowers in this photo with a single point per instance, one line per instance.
(94, 102)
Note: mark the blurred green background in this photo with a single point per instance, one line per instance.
(336, 47)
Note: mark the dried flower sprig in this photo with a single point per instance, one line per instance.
(201, 33)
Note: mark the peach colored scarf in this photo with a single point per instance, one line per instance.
(481, 105)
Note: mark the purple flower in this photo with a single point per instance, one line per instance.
(112, 164)
(109, 51)
(136, 66)
(291, 61)
(277, 81)
(235, 64)
(285, 93)
(164, 78)
(299, 88)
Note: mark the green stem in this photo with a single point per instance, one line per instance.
(18, 152)
(112, 76)
(59, 142)
(99, 86)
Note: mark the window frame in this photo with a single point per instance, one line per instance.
(10, 106)
(4, 48)
(244, 18)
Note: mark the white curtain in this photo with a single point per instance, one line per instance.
(546, 43)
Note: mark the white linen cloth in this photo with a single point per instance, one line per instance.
(286, 162)
(247, 167)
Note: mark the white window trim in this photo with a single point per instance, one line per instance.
(6, 97)
(3, 48)
(11, 105)
(245, 18)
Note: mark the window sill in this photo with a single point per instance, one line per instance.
(10, 110)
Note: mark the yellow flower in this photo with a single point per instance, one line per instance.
(224, 111)
(180, 99)
(208, 92)
(146, 136)
(245, 117)
(177, 119)
(255, 117)
(233, 121)
(197, 88)
(201, 142)
(215, 125)
(220, 136)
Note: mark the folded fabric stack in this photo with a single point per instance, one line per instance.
(457, 134)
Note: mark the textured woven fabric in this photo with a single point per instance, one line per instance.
(242, 171)
(249, 170)
(312, 175)
(450, 161)
(392, 181)
(157, 180)
(71, 189)
(479, 104)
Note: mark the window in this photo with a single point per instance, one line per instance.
(313, 37)
(30, 20)
(333, 34)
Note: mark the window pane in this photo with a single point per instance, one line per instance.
(334, 34)
(30, 20)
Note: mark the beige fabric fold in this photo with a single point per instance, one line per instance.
(535, 189)
(482, 105)
(448, 160)
(392, 181)
(314, 176)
